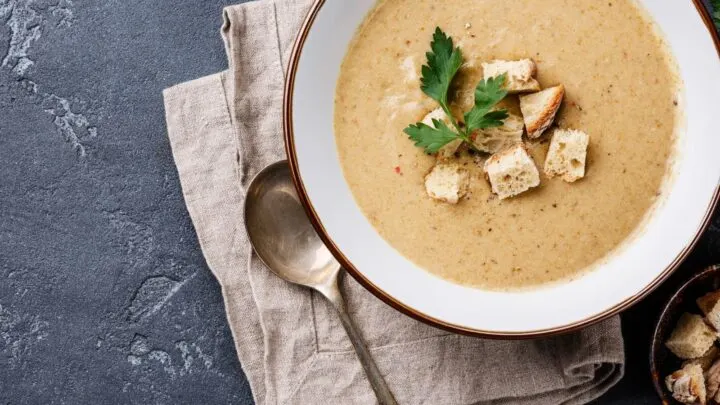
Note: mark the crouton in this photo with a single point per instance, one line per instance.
(448, 150)
(708, 301)
(566, 156)
(436, 114)
(520, 74)
(712, 381)
(706, 360)
(448, 182)
(710, 306)
(692, 337)
(493, 140)
(511, 172)
(539, 109)
(688, 385)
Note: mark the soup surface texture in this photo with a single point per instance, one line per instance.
(621, 88)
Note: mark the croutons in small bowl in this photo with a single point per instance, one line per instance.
(685, 355)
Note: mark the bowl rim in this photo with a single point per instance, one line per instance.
(671, 305)
(289, 138)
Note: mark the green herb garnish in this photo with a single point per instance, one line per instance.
(429, 138)
(716, 12)
(443, 62)
(487, 94)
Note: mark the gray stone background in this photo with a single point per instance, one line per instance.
(104, 293)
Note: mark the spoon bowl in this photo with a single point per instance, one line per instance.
(280, 232)
(286, 242)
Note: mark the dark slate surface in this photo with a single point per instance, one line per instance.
(104, 293)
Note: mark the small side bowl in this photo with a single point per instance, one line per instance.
(662, 361)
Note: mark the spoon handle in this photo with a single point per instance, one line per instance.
(377, 382)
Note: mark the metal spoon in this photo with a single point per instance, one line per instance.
(286, 242)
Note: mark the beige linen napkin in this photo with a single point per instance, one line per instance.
(226, 127)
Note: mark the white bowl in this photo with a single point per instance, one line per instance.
(639, 267)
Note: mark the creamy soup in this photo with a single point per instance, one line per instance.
(621, 88)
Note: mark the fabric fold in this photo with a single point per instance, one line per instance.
(226, 127)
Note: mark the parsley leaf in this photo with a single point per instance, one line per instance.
(443, 62)
(487, 94)
(429, 138)
(716, 13)
(491, 119)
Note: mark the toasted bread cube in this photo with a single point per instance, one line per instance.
(688, 385)
(539, 109)
(706, 360)
(710, 306)
(708, 301)
(493, 140)
(712, 381)
(436, 114)
(520, 74)
(447, 151)
(692, 337)
(512, 172)
(448, 182)
(567, 153)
